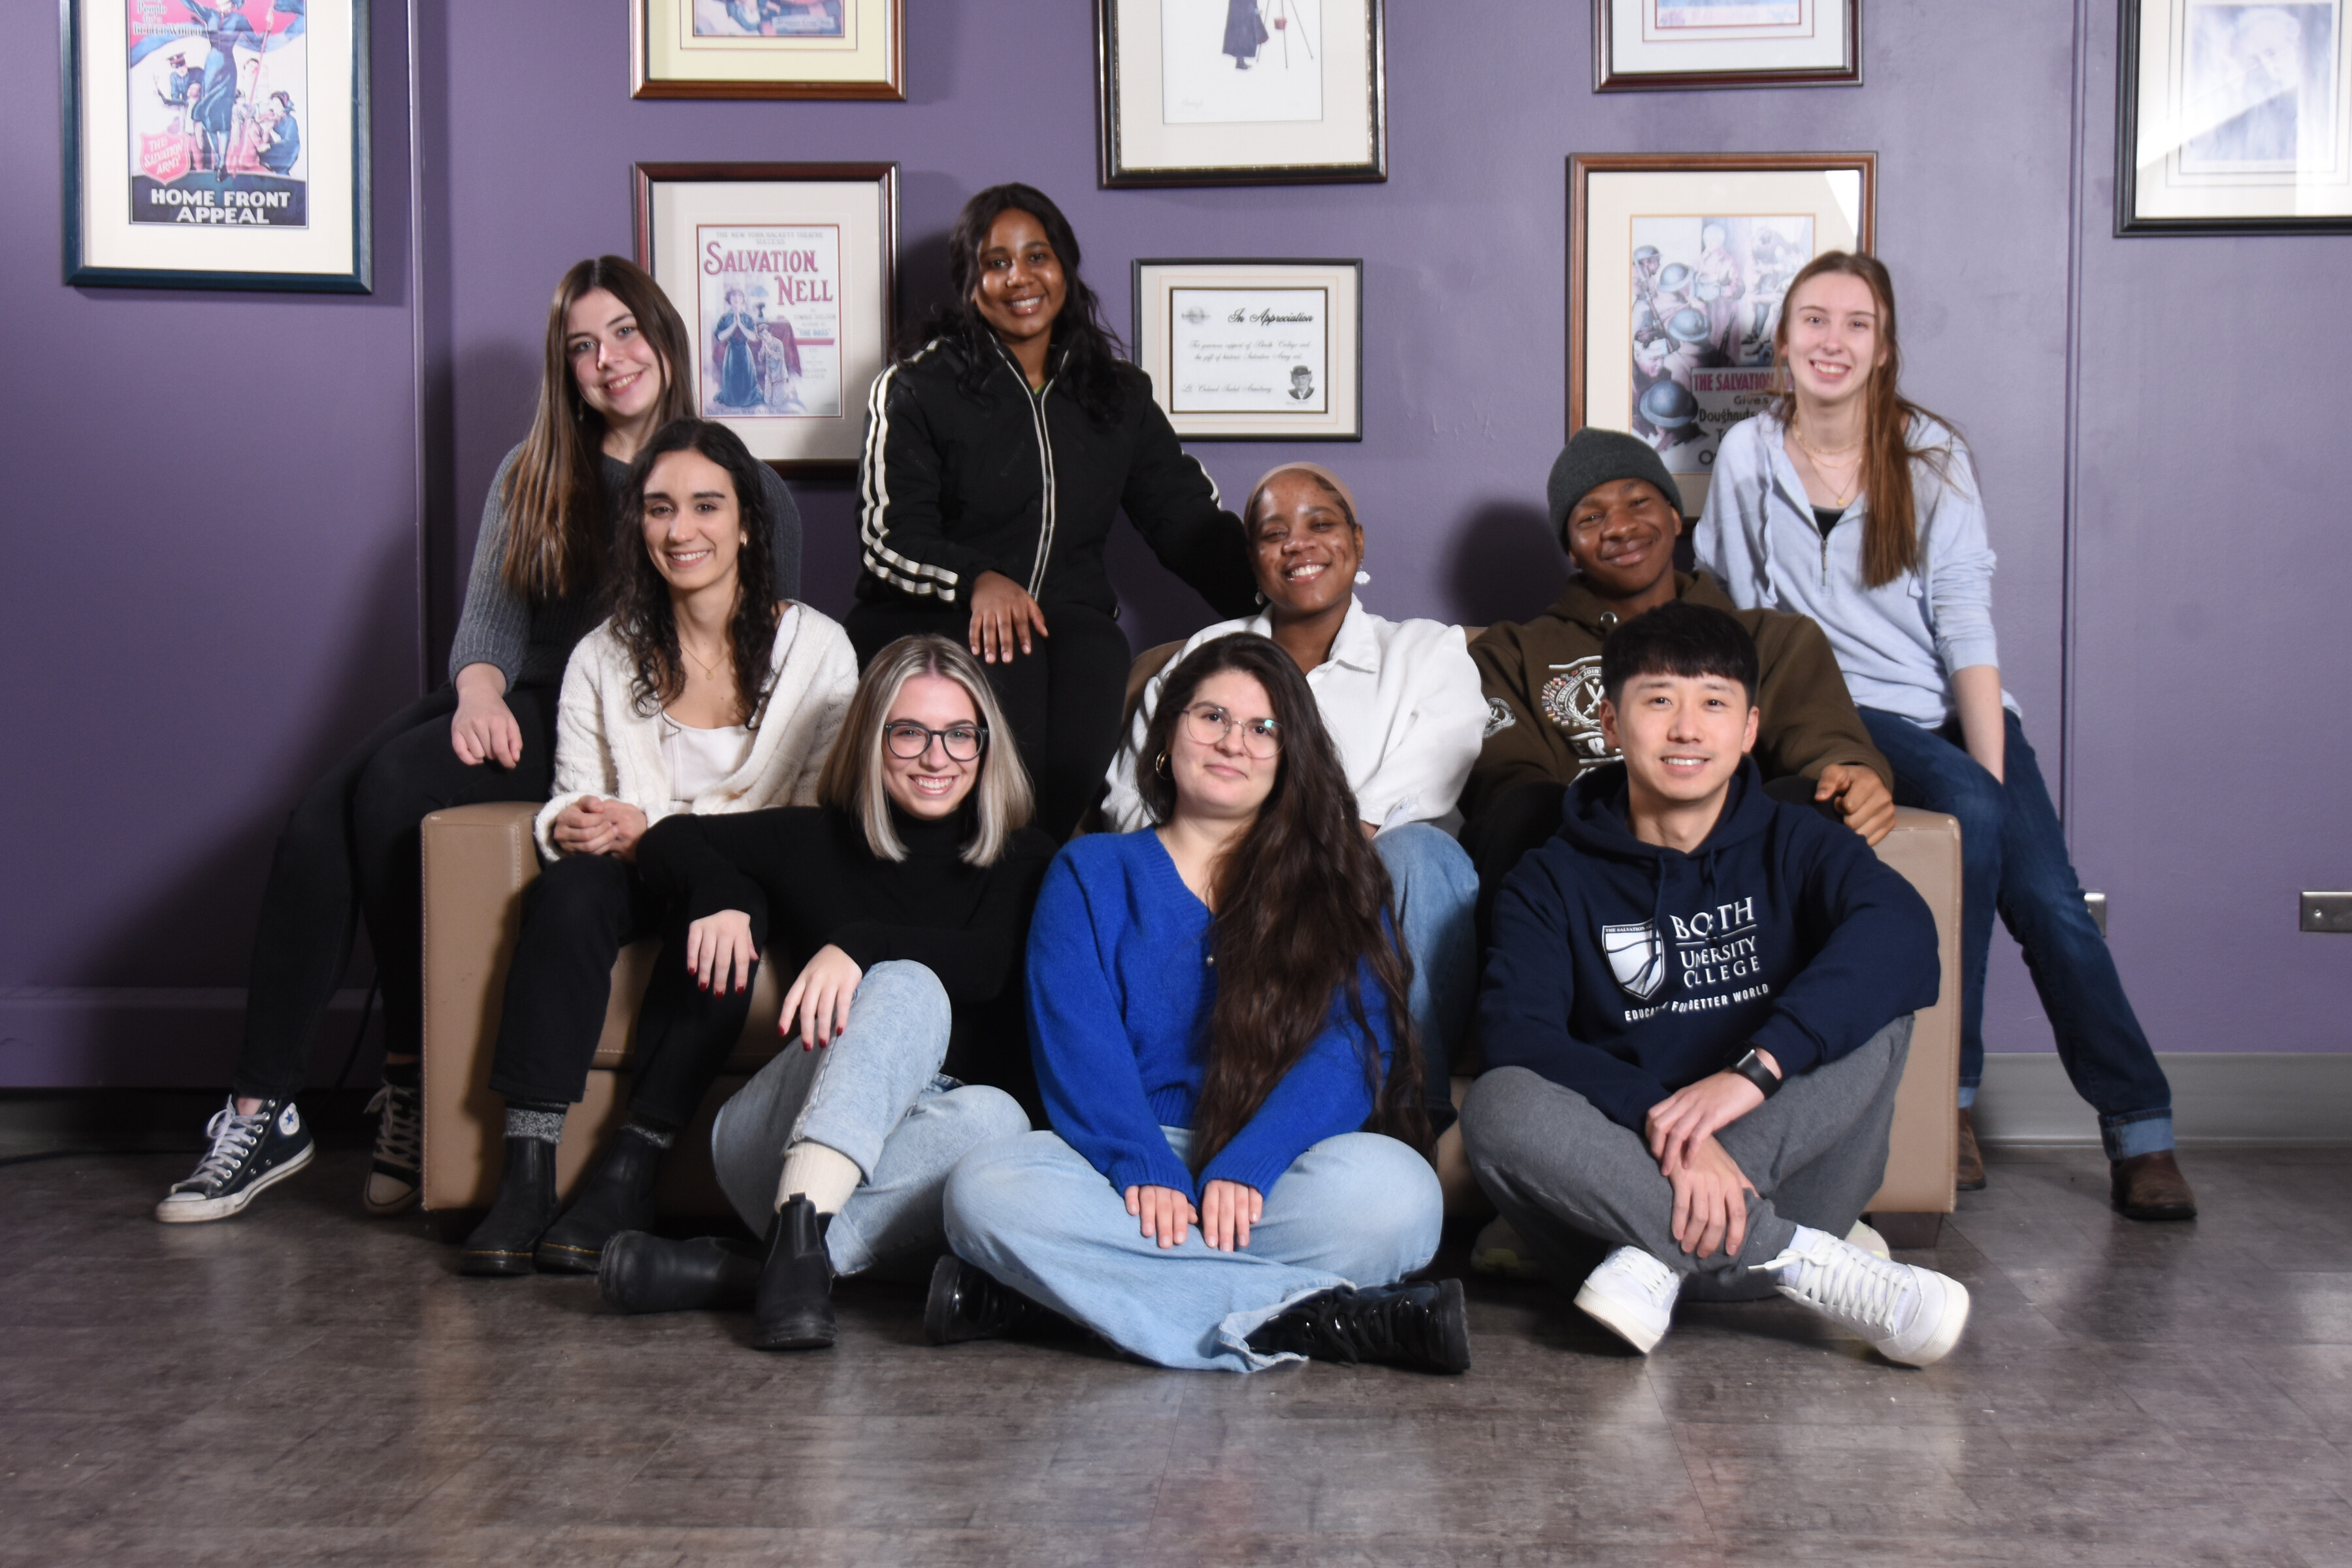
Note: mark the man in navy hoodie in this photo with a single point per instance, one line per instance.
(1696, 1015)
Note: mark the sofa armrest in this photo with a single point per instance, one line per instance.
(478, 861)
(1923, 1145)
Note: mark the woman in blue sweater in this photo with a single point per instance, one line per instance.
(1851, 504)
(1217, 1016)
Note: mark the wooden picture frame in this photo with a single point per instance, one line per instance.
(704, 48)
(1682, 349)
(217, 144)
(1183, 98)
(786, 276)
(2234, 117)
(1673, 46)
(1282, 341)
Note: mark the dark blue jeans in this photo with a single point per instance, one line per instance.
(2014, 859)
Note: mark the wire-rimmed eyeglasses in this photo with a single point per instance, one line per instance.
(1207, 724)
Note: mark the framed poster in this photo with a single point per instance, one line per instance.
(1649, 45)
(1677, 266)
(217, 144)
(1254, 350)
(1241, 92)
(785, 275)
(767, 48)
(2234, 117)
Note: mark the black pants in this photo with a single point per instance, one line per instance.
(1063, 701)
(576, 918)
(1504, 829)
(351, 848)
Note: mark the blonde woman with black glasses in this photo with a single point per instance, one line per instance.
(904, 901)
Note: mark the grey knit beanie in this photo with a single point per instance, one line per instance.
(1593, 457)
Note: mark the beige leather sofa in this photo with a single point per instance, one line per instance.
(479, 859)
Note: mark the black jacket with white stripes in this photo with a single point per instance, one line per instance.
(953, 485)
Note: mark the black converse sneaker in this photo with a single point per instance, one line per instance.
(397, 1172)
(248, 1153)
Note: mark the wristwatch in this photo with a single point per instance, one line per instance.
(1751, 1068)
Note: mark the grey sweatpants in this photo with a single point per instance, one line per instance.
(1561, 1171)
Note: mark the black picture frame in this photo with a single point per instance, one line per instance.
(1115, 169)
(2129, 223)
(1271, 424)
(359, 278)
(1607, 78)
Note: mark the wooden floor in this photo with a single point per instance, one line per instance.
(305, 1385)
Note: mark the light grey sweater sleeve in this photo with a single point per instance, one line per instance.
(784, 534)
(494, 627)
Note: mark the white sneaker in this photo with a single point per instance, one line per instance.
(1499, 1250)
(393, 1179)
(1632, 1295)
(1908, 1314)
(1868, 1240)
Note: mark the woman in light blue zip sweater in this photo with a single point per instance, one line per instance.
(1849, 503)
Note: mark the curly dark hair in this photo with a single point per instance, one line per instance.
(1302, 910)
(642, 616)
(1092, 362)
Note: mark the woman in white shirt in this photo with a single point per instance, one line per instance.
(701, 693)
(1402, 702)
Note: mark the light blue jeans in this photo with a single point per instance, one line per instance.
(876, 1096)
(1436, 891)
(1358, 1209)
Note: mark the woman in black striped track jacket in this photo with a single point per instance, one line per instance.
(996, 457)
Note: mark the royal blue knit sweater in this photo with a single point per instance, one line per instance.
(1121, 985)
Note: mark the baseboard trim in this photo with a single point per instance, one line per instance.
(2268, 1097)
(151, 1037)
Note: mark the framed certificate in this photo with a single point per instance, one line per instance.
(786, 275)
(1651, 46)
(1254, 350)
(217, 144)
(1677, 264)
(1241, 92)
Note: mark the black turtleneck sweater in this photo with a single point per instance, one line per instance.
(807, 880)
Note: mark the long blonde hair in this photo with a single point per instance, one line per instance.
(1890, 538)
(554, 498)
(1001, 799)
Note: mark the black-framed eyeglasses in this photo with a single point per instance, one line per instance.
(1207, 724)
(908, 741)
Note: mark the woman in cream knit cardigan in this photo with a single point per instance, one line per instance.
(701, 693)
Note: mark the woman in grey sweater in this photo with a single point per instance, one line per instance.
(617, 368)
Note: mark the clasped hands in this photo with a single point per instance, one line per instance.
(1227, 1211)
(1711, 1190)
(593, 826)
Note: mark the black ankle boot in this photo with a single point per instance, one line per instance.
(519, 1216)
(617, 1195)
(967, 1304)
(642, 1273)
(1419, 1325)
(793, 1310)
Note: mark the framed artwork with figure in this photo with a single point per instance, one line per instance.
(1677, 267)
(767, 48)
(217, 144)
(785, 275)
(1240, 92)
(2234, 117)
(1653, 46)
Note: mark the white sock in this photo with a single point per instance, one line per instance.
(825, 1176)
(1805, 1240)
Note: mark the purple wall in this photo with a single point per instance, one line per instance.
(271, 612)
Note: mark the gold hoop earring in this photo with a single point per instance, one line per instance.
(1159, 764)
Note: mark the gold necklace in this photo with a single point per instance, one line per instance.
(1840, 498)
(710, 668)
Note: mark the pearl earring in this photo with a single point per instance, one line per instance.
(1362, 578)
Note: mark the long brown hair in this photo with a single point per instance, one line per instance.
(554, 498)
(644, 618)
(1001, 801)
(1302, 910)
(1890, 538)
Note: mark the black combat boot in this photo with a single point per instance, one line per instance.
(966, 1303)
(1421, 1325)
(793, 1310)
(501, 1245)
(645, 1273)
(617, 1195)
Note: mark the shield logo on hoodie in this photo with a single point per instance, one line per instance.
(1636, 957)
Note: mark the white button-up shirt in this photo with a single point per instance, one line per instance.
(1401, 699)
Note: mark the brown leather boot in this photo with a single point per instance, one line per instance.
(2151, 1186)
(1969, 1173)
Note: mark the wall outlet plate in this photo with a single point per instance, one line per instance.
(2097, 904)
(2328, 911)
